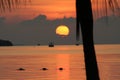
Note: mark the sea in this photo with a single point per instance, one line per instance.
(61, 62)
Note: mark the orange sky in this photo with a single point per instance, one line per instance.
(54, 8)
(51, 8)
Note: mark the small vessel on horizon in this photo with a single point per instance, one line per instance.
(51, 44)
(38, 44)
(77, 44)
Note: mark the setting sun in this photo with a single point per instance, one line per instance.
(62, 30)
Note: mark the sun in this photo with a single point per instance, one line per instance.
(62, 30)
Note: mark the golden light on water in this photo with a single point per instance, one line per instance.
(62, 30)
(63, 61)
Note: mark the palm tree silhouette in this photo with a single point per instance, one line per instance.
(84, 17)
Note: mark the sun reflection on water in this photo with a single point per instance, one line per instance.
(63, 62)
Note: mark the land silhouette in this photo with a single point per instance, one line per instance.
(5, 43)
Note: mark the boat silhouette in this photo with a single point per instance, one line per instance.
(51, 44)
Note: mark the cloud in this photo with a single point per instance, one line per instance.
(2, 21)
(39, 30)
(107, 30)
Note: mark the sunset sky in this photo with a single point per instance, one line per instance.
(37, 22)
(51, 8)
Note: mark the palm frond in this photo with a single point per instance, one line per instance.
(105, 7)
(112, 5)
(11, 4)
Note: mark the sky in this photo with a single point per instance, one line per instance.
(36, 22)
(51, 8)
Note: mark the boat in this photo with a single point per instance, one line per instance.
(77, 44)
(38, 44)
(51, 44)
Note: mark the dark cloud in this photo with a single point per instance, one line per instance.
(2, 21)
(41, 31)
(107, 30)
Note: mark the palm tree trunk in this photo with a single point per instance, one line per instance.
(85, 18)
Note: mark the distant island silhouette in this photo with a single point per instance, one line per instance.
(5, 43)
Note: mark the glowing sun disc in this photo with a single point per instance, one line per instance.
(62, 30)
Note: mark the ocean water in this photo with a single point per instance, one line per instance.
(68, 57)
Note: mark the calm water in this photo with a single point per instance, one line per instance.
(71, 58)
